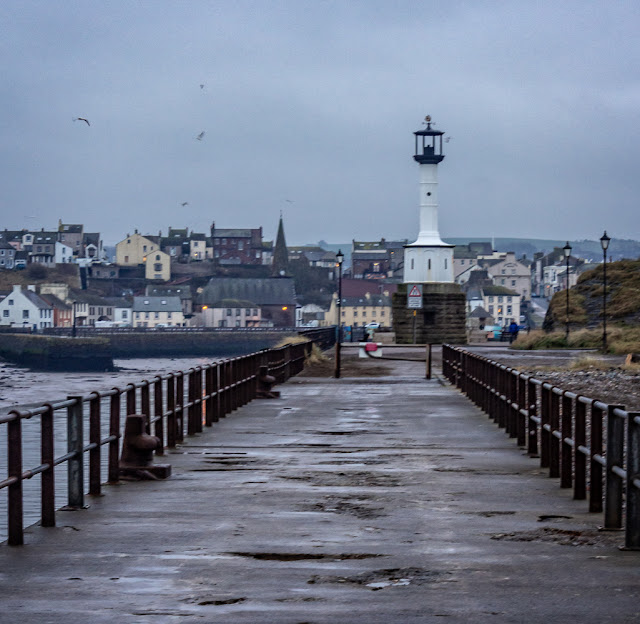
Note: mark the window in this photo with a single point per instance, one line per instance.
(10, 301)
(144, 248)
(228, 311)
(504, 271)
(513, 271)
(373, 313)
(240, 245)
(412, 263)
(158, 260)
(509, 310)
(25, 314)
(508, 299)
(124, 314)
(247, 312)
(222, 323)
(499, 299)
(146, 315)
(237, 323)
(255, 312)
(126, 259)
(157, 266)
(502, 281)
(445, 263)
(5, 313)
(381, 312)
(168, 315)
(100, 311)
(429, 264)
(513, 282)
(238, 311)
(491, 299)
(462, 262)
(138, 315)
(343, 313)
(92, 311)
(156, 315)
(1, 252)
(355, 313)
(490, 309)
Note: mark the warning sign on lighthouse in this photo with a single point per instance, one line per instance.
(414, 296)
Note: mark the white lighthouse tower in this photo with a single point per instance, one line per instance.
(428, 259)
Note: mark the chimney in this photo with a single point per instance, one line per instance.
(17, 288)
(31, 287)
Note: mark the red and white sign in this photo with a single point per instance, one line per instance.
(414, 296)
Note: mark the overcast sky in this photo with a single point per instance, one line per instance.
(309, 108)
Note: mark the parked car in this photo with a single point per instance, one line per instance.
(373, 325)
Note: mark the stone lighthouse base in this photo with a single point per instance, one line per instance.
(441, 320)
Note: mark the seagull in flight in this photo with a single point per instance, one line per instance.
(82, 119)
(447, 139)
(200, 136)
(184, 204)
(289, 201)
(202, 86)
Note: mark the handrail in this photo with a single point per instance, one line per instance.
(203, 394)
(579, 439)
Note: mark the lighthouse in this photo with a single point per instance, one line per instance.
(429, 307)
(428, 259)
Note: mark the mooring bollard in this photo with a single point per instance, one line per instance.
(265, 383)
(136, 461)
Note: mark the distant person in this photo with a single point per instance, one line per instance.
(513, 331)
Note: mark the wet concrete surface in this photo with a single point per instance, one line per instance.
(352, 501)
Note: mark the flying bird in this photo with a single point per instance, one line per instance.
(82, 119)
(200, 136)
(202, 86)
(184, 204)
(447, 139)
(289, 201)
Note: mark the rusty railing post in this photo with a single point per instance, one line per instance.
(532, 425)
(14, 469)
(75, 465)
(171, 409)
(595, 457)
(632, 519)
(47, 483)
(568, 443)
(614, 490)
(581, 451)
(158, 412)
(94, 442)
(114, 433)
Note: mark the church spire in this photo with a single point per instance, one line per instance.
(280, 266)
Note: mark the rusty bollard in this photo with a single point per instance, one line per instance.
(136, 461)
(265, 383)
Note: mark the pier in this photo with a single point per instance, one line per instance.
(351, 500)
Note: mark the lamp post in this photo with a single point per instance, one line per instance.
(339, 261)
(567, 255)
(73, 328)
(604, 243)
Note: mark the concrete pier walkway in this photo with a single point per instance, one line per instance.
(361, 500)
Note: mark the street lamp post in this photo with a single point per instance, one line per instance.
(339, 261)
(604, 243)
(567, 255)
(73, 327)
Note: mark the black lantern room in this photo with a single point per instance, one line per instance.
(428, 145)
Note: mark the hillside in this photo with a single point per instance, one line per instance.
(585, 298)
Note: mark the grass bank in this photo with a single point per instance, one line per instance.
(620, 340)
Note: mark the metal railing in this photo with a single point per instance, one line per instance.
(174, 402)
(588, 445)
